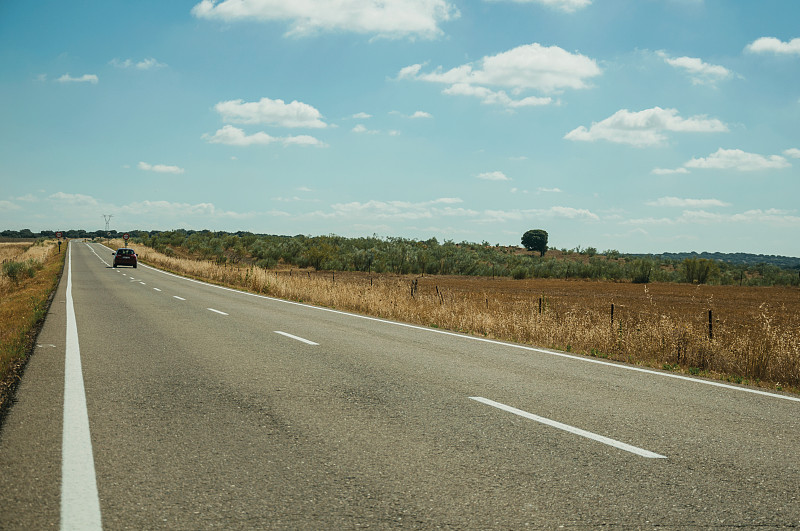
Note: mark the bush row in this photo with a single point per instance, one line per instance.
(421, 257)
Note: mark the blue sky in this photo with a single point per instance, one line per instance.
(637, 125)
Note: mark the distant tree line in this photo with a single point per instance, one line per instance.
(431, 257)
(30, 235)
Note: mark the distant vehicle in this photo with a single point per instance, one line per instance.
(124, 256)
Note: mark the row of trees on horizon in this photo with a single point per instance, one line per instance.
(430, 257)
(421, 257)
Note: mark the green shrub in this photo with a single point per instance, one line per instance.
(13, 270)
(519, 273)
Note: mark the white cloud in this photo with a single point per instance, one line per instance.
(773, 45)
(400, 210)
(160, 168)
(571, 213)
(644, 128)
(499, 97)
(772, 216)
(384, 18)
(667, 171)
(528, 67)
(417, 114)
(272, 112)
(701, 73)
(233, 136)
(736, 159)
(568, 6)
(8, 205)
(549, 190)
(73, 199)
(144, 64)
(683, 203)
(502, 216)
(793, 153)
(362, 129)
(85, 78)
(493, 176)
(361, 116)
(302, 140)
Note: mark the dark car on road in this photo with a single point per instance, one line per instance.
(125, 256)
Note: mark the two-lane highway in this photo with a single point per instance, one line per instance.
(207, 407)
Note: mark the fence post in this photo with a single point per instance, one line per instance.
(710, 327)
(612, 315)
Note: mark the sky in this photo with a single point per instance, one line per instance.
(644, 126)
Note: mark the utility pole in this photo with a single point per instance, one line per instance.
(108, 217)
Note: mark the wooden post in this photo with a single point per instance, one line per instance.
(710, 327)
(612, 314)
(540, 305)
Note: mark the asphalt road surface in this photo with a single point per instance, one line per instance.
(154, 401)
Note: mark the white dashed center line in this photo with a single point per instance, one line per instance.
(571, 429)
(216, 311)
(179, 298)
(156, 289)
(296, 338)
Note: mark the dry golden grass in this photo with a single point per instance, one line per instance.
(23, 252)
(13, 250)
(755, 331)
(23, 305)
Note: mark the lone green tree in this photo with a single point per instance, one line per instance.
(535, 240)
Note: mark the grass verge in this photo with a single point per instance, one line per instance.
(27, 283)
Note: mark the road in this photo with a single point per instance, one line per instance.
(154, 401)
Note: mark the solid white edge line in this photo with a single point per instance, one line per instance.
(296, 338)
(571, 429)
(80, 502)
(216, 311)
(495, 342)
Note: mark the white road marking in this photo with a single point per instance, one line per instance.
(571, 429)
(80, 503)
(216, 311)
(156, 289)
(296, 338)
(179, 298)
(653, 372)
(142, 283)
(97, 255)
